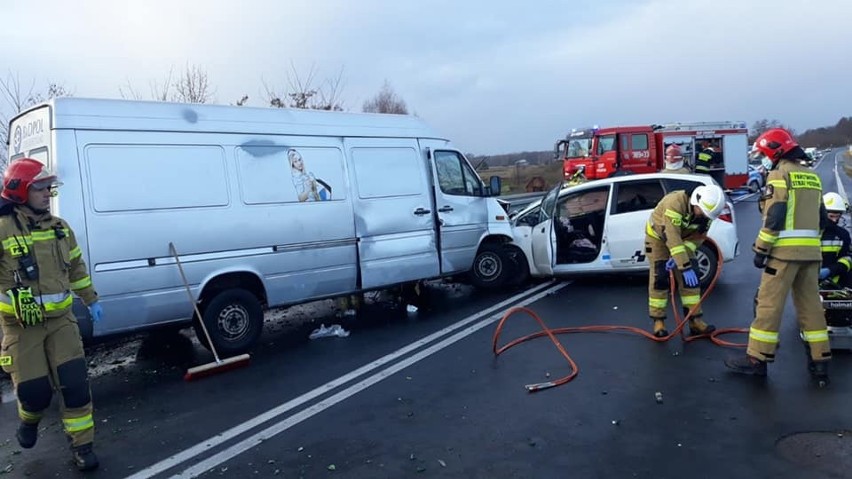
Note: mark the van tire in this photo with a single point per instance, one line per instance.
(708, 259)
(491, 267)
(234, 319)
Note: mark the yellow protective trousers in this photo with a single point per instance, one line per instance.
(46, 357)
(778, 278)
(657, 254)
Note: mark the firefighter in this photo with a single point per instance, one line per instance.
(40, 265)
(674, 161)
(676, 228)
(787, 249)
(836, 260)
(704, 160)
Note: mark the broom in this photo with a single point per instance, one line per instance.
(219, 365)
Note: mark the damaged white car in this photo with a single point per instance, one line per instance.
(599, 227)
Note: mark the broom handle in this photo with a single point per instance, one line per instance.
(192, 300)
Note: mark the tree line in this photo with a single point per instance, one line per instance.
(193, 85)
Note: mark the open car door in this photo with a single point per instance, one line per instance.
(543, 235)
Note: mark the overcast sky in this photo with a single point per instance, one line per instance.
(495, 77)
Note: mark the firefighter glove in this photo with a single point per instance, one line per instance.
(27, 309)
(824, 272)
(760, 260)
(97, 311)
(690, 278)
(670, 264)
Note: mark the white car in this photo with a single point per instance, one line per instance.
(600, 227)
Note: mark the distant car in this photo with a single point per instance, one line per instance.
(605, 227)
(756, 178)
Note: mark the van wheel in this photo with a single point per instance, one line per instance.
(490, 267)
(520, 268)
(234, 319)
(707, 264)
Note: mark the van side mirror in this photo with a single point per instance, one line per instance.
(495, 185)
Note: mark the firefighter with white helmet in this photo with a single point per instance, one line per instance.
(836, 259)
(41, 265)
(788, 251)
(677, 227)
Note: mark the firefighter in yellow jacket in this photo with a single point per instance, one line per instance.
(40, 265)
(676, 228)
(788, 250)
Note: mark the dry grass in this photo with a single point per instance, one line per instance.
(515, 179)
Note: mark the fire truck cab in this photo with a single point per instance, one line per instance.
(606, 152)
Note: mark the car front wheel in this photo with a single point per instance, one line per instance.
(708, 265)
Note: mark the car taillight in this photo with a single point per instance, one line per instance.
(726, 214)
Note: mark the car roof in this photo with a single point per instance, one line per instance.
(699, 178)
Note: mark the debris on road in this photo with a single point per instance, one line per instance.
(332, 467)
(659, 397)
(333, 330)
(442, 463)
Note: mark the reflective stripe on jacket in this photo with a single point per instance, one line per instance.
(672, 223)
(793, 215)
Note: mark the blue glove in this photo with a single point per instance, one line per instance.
(690, 278)
(823, 273)
(670, 264)
(97, 311)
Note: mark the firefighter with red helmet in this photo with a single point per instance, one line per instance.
(674, 161)
(676, 228)
(41, 264)
(787, 249)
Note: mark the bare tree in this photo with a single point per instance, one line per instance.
(386, 101)
(193, 86)
(242, 101)
(761, 126)
(301, 92)
(16, 97)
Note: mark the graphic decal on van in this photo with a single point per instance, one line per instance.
(308, 186)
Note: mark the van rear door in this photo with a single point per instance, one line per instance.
(394, 217)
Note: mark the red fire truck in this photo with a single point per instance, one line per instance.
(605, 152)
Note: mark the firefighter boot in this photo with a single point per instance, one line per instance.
(84, 457)
(819, 372)
(27, 434)
(697, 327)
(746, 365)
(660, 328)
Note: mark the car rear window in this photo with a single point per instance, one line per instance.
(638, 196)
(675, 185)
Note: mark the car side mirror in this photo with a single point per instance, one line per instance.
(495, 185)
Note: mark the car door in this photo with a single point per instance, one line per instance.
(461, 206)
(634, 200)
(543, 235)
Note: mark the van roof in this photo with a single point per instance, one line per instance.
(133, 115)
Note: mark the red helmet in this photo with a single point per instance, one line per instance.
(674, 152)
(774, 143)
(20, 175)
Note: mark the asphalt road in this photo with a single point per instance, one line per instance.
(423, 396)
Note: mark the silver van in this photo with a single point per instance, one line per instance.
(266, 207)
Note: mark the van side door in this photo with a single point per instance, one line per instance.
(461, 207)
(394, 215)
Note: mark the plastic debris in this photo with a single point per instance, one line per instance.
(442, 463)
(331, 467)
(334, 330)
(300, 449)
(411, 309)
(659, 397)
(615, 307)
(615, 422)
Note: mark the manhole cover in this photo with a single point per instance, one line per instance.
(829, 452)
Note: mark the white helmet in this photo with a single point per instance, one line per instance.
(834, 203)
(710, 199)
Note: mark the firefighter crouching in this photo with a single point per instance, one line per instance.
(836, 260)
(677, 227)
(788, 250)
(40, 265)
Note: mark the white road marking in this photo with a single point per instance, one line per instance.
(258, 438)
(235, 431)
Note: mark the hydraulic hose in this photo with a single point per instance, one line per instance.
(575, 370)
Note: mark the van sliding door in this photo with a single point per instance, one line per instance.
(394, 218)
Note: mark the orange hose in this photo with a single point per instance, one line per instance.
(575, 370)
